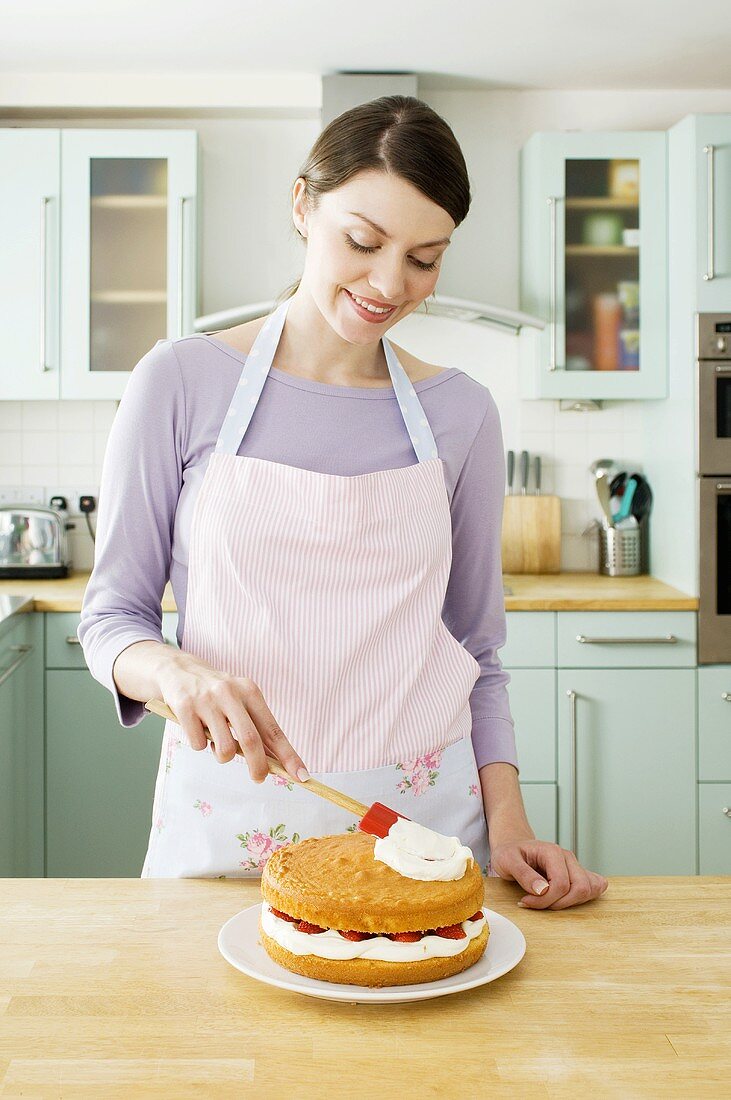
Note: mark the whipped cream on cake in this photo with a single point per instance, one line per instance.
(330, 944)
(420, 853)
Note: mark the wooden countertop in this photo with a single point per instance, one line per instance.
(115, 988)
(524, 592)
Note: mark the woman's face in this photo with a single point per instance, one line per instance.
(400, 266)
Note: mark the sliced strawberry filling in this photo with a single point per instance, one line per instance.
(283, 916)
(447, 931)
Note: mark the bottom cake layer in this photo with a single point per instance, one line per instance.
(374, 972)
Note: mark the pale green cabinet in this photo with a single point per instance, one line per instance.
(100, 779)
(714, 769)
(541, 806)
(714, 810)
(714, 723)
(593, 264)
(700, 192)
(21, 746)
(529, 656)
(99, 256)
(100, 776)
(626, 741)
(627, 769)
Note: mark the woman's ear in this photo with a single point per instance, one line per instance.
(299, 206)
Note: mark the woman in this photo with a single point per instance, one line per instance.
(328, 510)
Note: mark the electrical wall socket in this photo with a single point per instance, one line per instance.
(72, 497)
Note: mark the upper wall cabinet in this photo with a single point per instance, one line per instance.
(30, 221)
(128, 255)
(594, 264)
(700, 204)
(123, 205)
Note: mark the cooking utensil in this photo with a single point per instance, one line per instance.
(624, 508)
(538, 475)
(642, 500)
(511, 470)
(602, 465)
(524, 460)
(376, 819)
(602, 490)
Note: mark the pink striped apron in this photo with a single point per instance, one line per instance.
(327, 591)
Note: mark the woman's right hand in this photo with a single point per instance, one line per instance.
(234, 711)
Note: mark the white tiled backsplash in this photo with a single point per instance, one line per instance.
(59, 446)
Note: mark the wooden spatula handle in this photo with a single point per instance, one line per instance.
(157, 706)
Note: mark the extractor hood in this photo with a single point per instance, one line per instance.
(341, 92)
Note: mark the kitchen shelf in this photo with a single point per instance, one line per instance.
(601, 250)
(129, 202)
(601, 203)
(129, 297)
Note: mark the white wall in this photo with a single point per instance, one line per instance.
(250, 251)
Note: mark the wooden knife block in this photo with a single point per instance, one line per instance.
(531, 534)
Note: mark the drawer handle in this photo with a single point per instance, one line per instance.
(666, 639)
(573, 780)
(23, 650)
(72, 640)
(727, 810)
(726, 696)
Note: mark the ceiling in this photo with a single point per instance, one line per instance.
(470, 44)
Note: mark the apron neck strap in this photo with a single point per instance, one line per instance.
(254, 374)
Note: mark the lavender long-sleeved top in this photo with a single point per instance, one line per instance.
(166, 427)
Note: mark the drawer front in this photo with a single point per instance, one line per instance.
(17, 630)
(626, 639)
(541, 801)
(714, 807)
(532, 694)
(63, 649)
(714, 723)
(531, 640)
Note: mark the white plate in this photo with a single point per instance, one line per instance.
(238, 942)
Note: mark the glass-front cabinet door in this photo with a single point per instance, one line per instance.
(30, 161)
(594, 263)
(129, 230)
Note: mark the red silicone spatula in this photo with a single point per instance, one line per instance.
(376, 819)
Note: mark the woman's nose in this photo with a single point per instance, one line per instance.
(387, 284)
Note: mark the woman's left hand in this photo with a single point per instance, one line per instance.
(561, 878)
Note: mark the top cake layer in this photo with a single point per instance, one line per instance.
(335, 882)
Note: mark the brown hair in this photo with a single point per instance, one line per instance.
(397, 134)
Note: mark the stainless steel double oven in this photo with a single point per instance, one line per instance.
(713, 465)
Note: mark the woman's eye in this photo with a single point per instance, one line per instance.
(364, 248)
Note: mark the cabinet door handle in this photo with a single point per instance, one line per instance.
(726, 810)
(72, 640)
(552, 284)
(24, 650)
(709, 150)
(726, 696)
(181, 260)
(44, 275)
(573, 781)
(666, 639)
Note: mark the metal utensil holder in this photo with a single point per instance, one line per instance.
(623, 551)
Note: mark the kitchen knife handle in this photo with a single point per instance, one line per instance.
(511, 470)
(538, 474)
(523, 472)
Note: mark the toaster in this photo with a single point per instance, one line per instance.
(33, 541)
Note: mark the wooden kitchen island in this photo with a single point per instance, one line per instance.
(115, 988)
